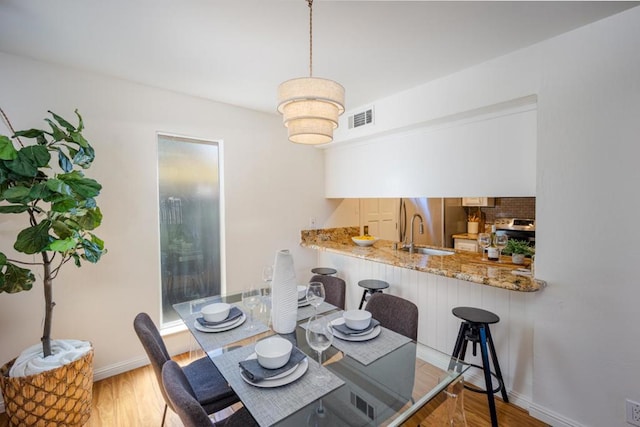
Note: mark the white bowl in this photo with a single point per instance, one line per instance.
(357, 319)
(273, 352)
(216, 312)
(364, 242)
(302, 291)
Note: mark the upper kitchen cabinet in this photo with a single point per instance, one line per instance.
(478, 201)
(489, 150)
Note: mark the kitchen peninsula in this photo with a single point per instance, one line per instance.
(437, 284)
(461, 265)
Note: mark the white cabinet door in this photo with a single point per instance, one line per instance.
(478, 201)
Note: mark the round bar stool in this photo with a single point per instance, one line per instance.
(475, 329)
(324, 271)
(371, 286)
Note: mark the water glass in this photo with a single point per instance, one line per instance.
(501, 242)
(484, 240)
(251, 298)
(315, 294)
(320, 337)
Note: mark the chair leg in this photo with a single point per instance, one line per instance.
(364, 297)
(487, 376)
(164, 415)
(496, 366)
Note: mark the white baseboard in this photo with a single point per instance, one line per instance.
(552, 418)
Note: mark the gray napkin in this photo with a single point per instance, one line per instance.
(253, 371)
(345, 330)
(234, 313)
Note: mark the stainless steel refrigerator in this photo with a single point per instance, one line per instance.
(442, 218)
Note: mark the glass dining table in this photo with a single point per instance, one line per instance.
(377, 382)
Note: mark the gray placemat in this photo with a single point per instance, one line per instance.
(210, 341)
(308, 311)
(369, 351)
(270, 405)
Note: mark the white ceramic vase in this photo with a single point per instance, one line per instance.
(284, 294)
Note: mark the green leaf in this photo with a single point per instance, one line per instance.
(31, 133)
(79, 139)
(92, 251)
(63, 122)
(91, 220)
(64, 162)
(17, 194)
(29, 160)
(61, 230)
(40, 191)
(62, 245)
(81, 186)
(58, 134)
(13, 208)
(7, 150)
(3, 259)
(80, 122)
(84, 157)
(34, 239)
(58, 186)
(16, 279)
(76, 259)
(64, 205)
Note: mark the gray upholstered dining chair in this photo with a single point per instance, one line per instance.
(210, 387)
(394, 313)
(191, 413)
(334, 289)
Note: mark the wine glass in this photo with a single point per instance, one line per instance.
(501, 242)
(315, 294)
(320, 336)
(484, 240)
(251, 298)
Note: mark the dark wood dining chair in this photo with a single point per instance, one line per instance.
(394, 313)
(334, 289)
(211, 389)
(191, 413)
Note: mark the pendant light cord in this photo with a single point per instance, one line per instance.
(310, 37)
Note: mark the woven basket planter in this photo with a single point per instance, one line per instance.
(59, 397)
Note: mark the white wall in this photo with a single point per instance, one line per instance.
(272, 188)
(587, 83)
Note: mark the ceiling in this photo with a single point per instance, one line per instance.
(238, 51)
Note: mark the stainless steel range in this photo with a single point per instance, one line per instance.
(518, 228)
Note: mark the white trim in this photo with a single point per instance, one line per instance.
(552, 418)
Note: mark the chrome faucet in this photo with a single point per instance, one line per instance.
(421, 229)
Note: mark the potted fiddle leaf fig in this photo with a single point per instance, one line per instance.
(42, 180)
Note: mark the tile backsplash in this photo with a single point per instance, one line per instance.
(508, 207)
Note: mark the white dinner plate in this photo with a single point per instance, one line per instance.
(222, 327)
(275, 377)
(303, 303)
(360, 337)
(299, 371)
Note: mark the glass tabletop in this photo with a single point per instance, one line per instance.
(387, 392)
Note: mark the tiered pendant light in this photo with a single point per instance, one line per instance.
(310, 106)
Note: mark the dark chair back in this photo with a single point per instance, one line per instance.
(334, 289)
(182, 396)
(191, 413)
(394, 313)
(154, 347)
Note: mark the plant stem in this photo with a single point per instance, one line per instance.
(48, 305)
(8, 123)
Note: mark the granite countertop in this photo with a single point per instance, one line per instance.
(467, 236)
(461, 265)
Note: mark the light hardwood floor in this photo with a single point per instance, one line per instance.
(133, 399)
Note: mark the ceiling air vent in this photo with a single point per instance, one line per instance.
(361, 119)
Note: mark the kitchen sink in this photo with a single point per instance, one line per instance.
(429, 251)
